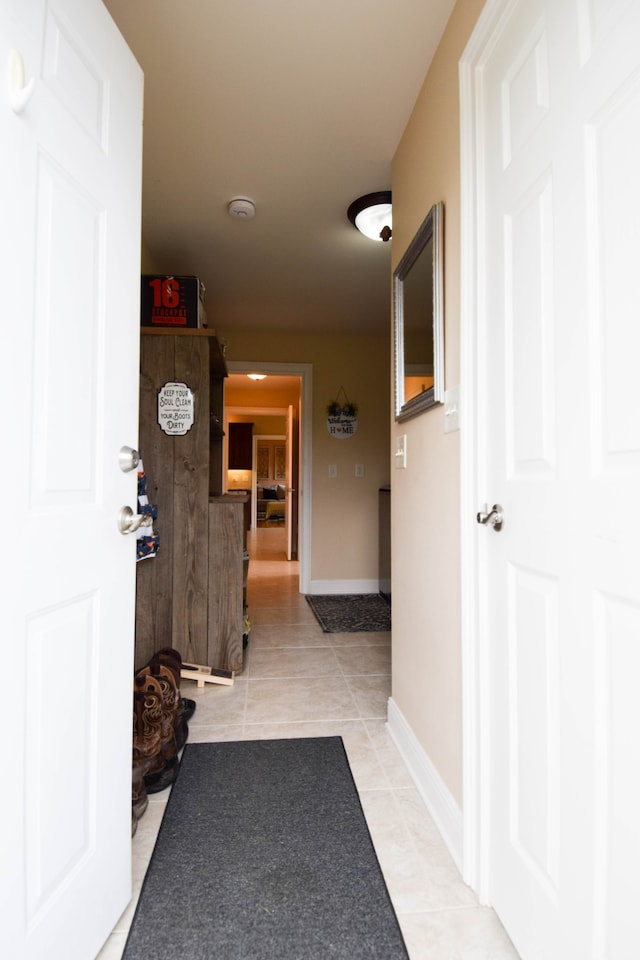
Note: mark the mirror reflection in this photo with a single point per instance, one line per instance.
(419, 367)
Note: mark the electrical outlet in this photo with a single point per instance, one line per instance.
(401, 452)
(359, 469)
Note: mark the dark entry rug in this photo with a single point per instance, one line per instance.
(351, 612)
(264, 854)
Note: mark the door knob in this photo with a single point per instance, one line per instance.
(128, 459)
(128, 521)
(493, 518)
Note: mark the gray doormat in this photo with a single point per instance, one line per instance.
(351, 612)
(264, 854)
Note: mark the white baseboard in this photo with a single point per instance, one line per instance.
(446, 813)
(344, 586)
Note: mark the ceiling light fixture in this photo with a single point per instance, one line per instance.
(371, 215)
(257, 376)
(241, 208)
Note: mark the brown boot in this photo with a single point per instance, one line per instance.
(139, 798)
(166, 677)
(171, 657)
(153, 734)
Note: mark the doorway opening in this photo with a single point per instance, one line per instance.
(284, 392)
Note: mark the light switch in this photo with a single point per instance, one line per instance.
(452, 409)
(333, 471)
(359, 469)
(401, 452)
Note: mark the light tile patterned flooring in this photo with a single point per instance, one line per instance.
(301, 682)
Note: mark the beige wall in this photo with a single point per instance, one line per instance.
(427, 678)
(344, 512)
(147, 262)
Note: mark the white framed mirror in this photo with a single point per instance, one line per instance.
(418, 292)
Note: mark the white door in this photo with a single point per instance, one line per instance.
(70, 169)
(554, 94)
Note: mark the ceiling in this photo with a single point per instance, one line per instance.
(264, 393)
(298, 105)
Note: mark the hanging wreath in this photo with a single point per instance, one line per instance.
(342, 416)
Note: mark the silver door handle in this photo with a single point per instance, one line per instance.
(493, 518)
(128, 459)
(128, 521)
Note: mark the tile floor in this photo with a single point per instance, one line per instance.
(300, 682)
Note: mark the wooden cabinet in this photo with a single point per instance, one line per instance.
(183, 472)
(227, 581)
(240, 446)
(217, 373)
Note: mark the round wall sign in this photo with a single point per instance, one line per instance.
(342, 426)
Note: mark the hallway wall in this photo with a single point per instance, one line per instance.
(344, 512)
(427, 667)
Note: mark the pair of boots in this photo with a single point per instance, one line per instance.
(160, 727)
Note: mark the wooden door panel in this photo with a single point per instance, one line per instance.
(154, 578)
(190, 513)
(173, 586)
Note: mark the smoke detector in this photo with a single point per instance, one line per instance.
(241, 208)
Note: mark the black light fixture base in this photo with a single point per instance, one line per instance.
(370, 200)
